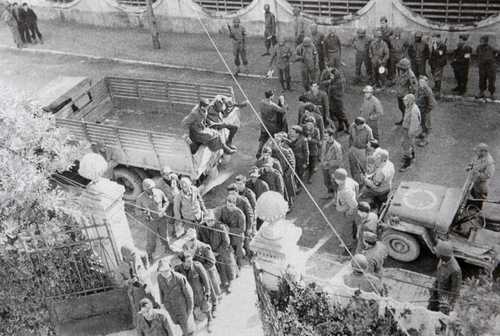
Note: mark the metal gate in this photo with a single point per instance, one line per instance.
(74, 261)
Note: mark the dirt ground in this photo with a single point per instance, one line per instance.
(457, 127)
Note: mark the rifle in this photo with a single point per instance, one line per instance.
(230, 31)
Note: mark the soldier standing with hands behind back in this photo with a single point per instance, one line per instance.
(486, 59)
(460, 64)
(269, 29)
(238, 34)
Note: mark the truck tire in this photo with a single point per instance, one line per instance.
(130, 180)
(401, 246)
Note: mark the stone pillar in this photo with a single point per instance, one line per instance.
(103, 206)
(275, 244)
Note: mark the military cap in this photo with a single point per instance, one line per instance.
(404, 63)
(364, 207)
(359, 121)
(369, 237)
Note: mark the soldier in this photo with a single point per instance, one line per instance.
(311, 110)
(361, 44)
(169, 184)
(333, 80)
(412, 128)
(377, 184)
(360, 135)
(461, 58)
(269, 29)
(233, 217)
(482, 168)
(11, 22)
(188, 203)
(176, 295)
(375, 253)
(406, 83)
(332, 49)
(197, 277)
(360, 279)
(418, 51)
(318, 41)
(273, 117)
(299, 26)
(300, 149)
(346, 198)
(426, 102)
(311, 133)
(238, 34)
(371, 110)
(244, 205)
(385, 30)
(319, 98)
(331, 160)
(153, 203)
(379, 56)
(398, 50)
(243, 190)
(486, 60)
(307, 55)
(284, 154)
(368, 222)
(448, 279)
(267, 156)
(272, 177)
(153, 322)
(437, 61)
(255, 183)
(281, 57)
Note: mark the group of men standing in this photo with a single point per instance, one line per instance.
(23, 23)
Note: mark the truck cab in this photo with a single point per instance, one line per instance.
(420, 213)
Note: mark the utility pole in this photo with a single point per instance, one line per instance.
(153, 27)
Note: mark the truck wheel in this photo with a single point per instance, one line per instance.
(130, 180)
(401, 246)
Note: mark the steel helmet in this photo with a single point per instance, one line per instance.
(148, 184)
(368, 88)
(267, 7)
(307, 41)
(369, 237)
(340, 174)
(364, 206)
(481, 147)
(444, 249)
(359, 263)
(404, 64)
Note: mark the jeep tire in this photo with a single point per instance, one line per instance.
(401, 246)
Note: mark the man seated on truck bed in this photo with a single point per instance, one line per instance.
(219, 109)
(199, 132)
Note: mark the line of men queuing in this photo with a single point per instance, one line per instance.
(23, 23)
(379, 55)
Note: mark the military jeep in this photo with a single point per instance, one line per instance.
(418, 213)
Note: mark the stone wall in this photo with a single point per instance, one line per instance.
(182, 16)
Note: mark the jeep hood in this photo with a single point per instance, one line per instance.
(429, 205)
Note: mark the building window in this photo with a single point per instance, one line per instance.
(223, 5)
(133, 3)
(329, 8)
(454, 11)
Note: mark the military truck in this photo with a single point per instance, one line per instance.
(418, 214)
(139, 122)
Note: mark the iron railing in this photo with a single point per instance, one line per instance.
(461, 12)
(329, 8)
(223, 5)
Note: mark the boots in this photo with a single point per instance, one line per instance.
(288, 86)
(283, 86)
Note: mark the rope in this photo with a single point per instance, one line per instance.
(332, 227)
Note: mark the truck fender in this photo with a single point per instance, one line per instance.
(414, 230)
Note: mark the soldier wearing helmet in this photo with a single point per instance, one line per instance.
(406, 82)
(307, 55)
(375, 253)
(360, 279)
(371, 110)
(418, 52)
(281, 56)
(448, 279)
(332, 49)
(379, 57)
(360, 135)
(299, 26)
(361, 44)
(437, 61)
(460, 63)
(412, 127)
(486, 61)
(318, 39)
(152, 205)
(238, 34)
(269, 29)
(481, 168)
